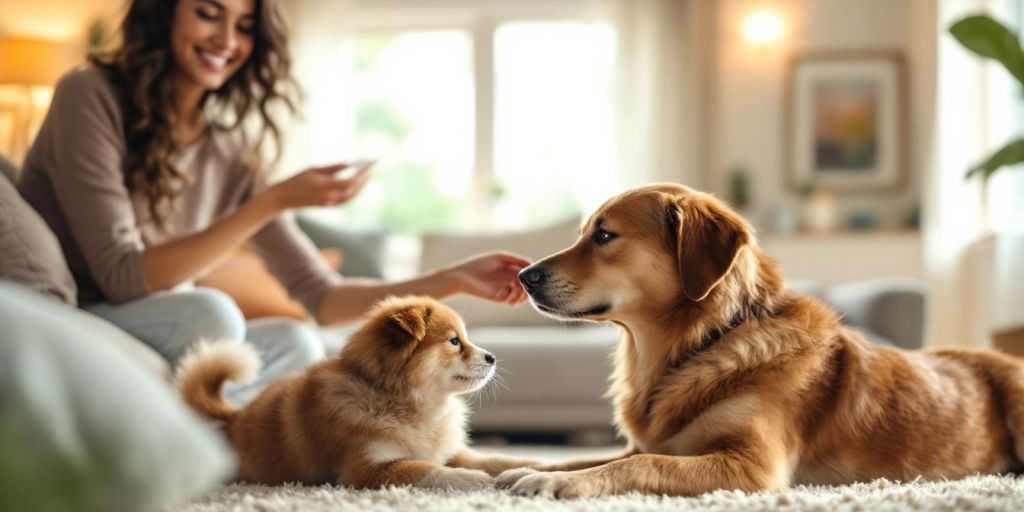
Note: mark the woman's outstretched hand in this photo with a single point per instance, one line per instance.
(318, 186)
(492, 276)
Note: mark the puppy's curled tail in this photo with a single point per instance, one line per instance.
(203, 371)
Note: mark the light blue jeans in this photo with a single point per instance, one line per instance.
(171, 322)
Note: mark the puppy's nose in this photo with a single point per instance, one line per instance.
(489, 357)
(532, 277)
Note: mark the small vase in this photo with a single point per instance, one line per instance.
(819, 214)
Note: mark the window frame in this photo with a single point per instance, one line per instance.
(481, 20)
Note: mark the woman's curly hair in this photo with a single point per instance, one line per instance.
(141, 66)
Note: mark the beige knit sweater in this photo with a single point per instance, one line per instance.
(74, 177)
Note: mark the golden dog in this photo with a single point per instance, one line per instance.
(386, 412)
(726, 380)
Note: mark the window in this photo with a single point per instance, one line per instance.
(484, 121)
(413, 110)
(553, 119)
(1006, 109)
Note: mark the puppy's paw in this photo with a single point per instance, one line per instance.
(507, 464)
(558, 484)
(509, 477)
(460, 479)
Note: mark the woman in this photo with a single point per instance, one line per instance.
(146, 191)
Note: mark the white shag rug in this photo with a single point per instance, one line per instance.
(982, 492)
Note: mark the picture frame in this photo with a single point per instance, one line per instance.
(846, 121)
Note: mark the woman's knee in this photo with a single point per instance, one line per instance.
(213, 315)
(308, 345)
(299, 341)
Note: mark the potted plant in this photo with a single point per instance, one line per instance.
(990, 39)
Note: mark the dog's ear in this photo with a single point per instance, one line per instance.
(409, 323)
(707, 241)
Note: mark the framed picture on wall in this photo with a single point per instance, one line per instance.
(846, 121)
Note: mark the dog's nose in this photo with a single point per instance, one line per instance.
(489, 357)
(532, 277)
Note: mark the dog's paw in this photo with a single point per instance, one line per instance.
(509, 477)
(557, 484)
(460, 479)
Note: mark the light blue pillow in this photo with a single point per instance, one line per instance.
(83, 427)
(362, 251)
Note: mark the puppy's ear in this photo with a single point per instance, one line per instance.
(707, 240)
(409, 323)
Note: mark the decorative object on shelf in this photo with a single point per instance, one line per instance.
(818, 213)
(739, 187)
(32, 65)
(846, 121)
(863, 221)
(97, 36)
(989, 38)
(785, 219)
(913, 219)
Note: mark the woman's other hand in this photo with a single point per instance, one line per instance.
(492, 276)
(318, 186)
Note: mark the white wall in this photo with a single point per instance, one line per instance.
(748, 112)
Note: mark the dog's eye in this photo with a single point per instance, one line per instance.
(601, 237)
(456, 342)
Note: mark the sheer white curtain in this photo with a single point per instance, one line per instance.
(974, 265)
(663, 48)
(316, 27)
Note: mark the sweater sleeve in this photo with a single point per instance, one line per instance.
(293, 259)
(84, 125)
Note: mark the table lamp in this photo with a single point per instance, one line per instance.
(34, 66)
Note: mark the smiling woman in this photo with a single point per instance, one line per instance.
(215, 60)
(211, 40)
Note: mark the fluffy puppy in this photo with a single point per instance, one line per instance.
(388, 411)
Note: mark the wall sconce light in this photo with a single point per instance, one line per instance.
(763, 27)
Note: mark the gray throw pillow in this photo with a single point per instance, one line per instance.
(362, 251)
(29, 252)
(83, 428)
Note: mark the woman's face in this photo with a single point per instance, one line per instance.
(211, 39)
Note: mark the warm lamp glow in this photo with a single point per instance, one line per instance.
(33, 62)
(763, 28)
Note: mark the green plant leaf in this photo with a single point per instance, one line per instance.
(989, 38)
(1010, 154)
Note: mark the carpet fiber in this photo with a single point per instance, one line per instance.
(984, 492)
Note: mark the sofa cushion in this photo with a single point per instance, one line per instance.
(442, 249)
(8, 169)
(364, 250)
(29, 252)
(82, 428)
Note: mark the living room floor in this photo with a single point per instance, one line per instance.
(983, 492)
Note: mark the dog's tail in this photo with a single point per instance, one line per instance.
(203, 371)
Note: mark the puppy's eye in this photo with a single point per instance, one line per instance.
(456, 342)
(601, 237)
